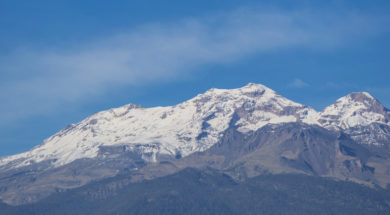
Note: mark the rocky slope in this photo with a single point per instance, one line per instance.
(194, 191)
(283, 148)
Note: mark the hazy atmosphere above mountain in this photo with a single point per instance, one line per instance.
(62, 61)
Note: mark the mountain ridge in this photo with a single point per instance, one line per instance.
(133, 139)
(199, 130)
(218, 105)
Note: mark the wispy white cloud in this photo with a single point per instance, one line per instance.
(298, 83)
(47, 80)
(341, 85)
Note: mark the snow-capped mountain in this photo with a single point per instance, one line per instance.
(361, 116)
(194, 125)
(129, 138)
(355, 109)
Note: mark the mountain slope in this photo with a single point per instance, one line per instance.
(283, 148)
(193, 191)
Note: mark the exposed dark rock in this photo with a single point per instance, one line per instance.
(276, 149)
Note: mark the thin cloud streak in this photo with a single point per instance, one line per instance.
(47, 81)
(298, 83)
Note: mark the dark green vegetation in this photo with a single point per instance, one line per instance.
(194, 191)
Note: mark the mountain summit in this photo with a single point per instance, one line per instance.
(355, 109)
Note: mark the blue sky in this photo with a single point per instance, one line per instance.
(61, 61)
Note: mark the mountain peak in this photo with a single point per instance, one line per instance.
(257, 89)
(363, 97)
(354, 109)
(356, 95)
(254, 86)
(249, 88)
(251, 91)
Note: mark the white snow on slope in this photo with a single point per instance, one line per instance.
(194, 125)
(191, 126)
(355, 109)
